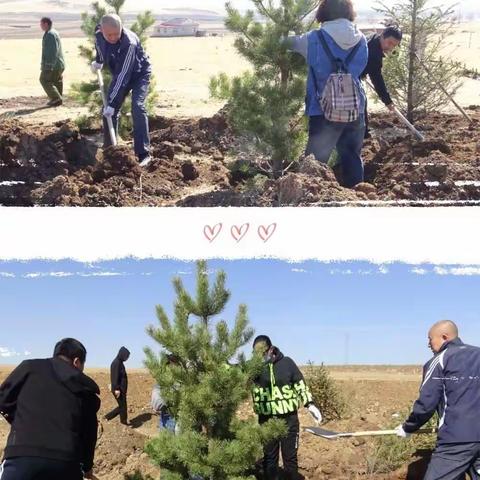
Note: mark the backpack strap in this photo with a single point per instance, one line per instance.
(315, 83)
(337, 64)
(352, 54)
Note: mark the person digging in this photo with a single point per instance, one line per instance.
(120, 50)
(278, 392)
(450, 387)
(378, 47)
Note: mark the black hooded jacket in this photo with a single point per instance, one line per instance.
(374, 69)
(280, 389)
(52, 409)
(118, 374)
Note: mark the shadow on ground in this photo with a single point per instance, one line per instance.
(139, 420)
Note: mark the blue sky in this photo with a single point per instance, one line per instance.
(333, 313)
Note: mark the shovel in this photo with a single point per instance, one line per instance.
(402, 118)
(111, 130)
(330, 435)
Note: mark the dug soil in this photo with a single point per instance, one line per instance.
(200, 162)
(377, 396)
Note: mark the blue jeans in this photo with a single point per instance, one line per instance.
(141, 135)
(324, 136)
(166, 421)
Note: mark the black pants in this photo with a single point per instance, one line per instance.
(367, 130)
(289, 447)
(451, 461)
(120, 410)
(36, 468)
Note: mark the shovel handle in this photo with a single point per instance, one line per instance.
(402, 118)
(374, 433)
(417, 134)
(111, 130)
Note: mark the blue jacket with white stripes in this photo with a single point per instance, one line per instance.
(450, 386)
(126, 60)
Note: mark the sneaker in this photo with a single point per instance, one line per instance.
(55, 103)
(146, 161)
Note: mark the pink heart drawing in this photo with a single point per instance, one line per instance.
(211, 233)
(265, 233)
(239, 232)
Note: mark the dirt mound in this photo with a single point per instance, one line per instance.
(196, 163)
(32, 155)
(446, 166)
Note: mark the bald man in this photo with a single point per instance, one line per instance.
(451, 387)
(120, 50)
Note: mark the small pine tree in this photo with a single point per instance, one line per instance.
(87, 92)
(425, 28)
(203, 390)
(267, 103)
(325, 392)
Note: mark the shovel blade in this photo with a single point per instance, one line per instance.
(321, 432)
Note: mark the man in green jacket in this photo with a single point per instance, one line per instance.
(53, 64)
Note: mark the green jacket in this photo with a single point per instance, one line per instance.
(52, 55)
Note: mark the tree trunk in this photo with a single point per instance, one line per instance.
(412, 62)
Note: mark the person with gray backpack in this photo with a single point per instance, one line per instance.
(336, 55)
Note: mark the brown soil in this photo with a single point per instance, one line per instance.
(375, 396)
(198, 163)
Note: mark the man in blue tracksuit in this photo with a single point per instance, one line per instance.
(450, 386)
(347, 44)
(120, 49)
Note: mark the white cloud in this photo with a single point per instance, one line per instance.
(419, 271)
(338, 271)
(184, 272)
(74, 274)
(458, 271)
(8, 353)
(381, 270)
(48, 274)
(26, 353)
(7, 275)
(299, 270)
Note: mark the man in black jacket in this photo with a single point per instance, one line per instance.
(278, 392)
(378, 46)
(52, 407)
(119, 386)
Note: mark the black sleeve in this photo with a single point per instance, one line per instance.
(299, 384)
(90, 407)
(10, 389)
(115, 375)
(374, 71)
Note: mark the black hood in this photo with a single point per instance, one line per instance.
(123, 354)
(75, 380)
(277, 355)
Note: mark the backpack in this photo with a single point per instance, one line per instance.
(340, 100)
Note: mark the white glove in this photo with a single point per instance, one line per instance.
(400, 432)
(108, 111)
(95, 66)
(315, 413)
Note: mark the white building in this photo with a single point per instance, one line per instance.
(176, 27)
